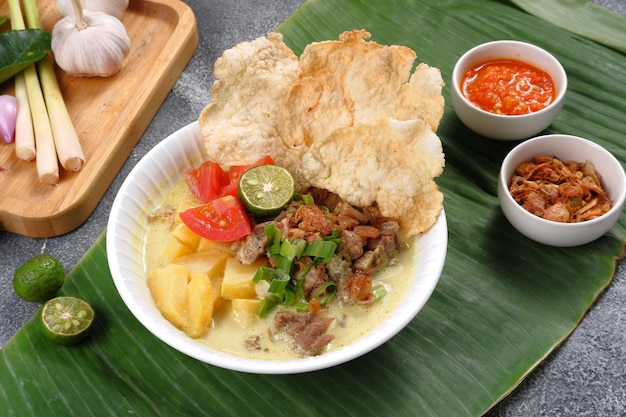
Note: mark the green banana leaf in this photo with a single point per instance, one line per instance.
(581, 17)
(20, 48)
(502, 305)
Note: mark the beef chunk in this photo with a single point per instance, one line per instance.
(351, 246)
(253, 246)
(314, 279)
(308, 330)
(365, 262)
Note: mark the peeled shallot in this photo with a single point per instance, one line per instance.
(8, 117)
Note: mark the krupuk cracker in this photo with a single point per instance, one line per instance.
(347, 116)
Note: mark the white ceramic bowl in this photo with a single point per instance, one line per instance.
(564, 147)
(503, 127)
(142, 190)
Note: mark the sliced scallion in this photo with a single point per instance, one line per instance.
(320, 250)
(278, 285)
(283, 264)
(335, 236)
(290, 297)
(308, 199)
(267, 305)
(264, 274)
(300, 280)
(273, 239)
(292, 249)
(283, 290)
(329, 289)
(379, 290)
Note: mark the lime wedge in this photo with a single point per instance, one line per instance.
(66, 320)
(265, 190)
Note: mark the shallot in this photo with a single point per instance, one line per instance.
(8, 117)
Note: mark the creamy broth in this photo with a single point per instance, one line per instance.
(229, 336)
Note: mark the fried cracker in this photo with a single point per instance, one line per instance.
(243, 121)
(348, 116)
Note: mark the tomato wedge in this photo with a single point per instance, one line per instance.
(236, 170)
(207, 181)
(223, 219)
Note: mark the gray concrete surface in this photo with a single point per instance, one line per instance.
(586, 376)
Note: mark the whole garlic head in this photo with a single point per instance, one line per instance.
(113, 7)
(97, 47)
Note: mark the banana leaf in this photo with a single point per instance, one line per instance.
(582, 17)
(502, 305)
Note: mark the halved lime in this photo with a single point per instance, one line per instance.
(265, 190)
(66, 320)
(39, 278)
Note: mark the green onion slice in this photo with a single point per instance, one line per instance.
(267, 305)
(379, 290)
(273, 239)
(320, 250)
(307, 199)
(335, 236)
(279, 284)
(292, 249)
(264, 274)
(281, 290)
(330, 288)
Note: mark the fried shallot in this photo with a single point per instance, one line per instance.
(567, 192)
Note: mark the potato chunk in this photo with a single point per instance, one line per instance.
(207, 245)
(245, 310)
(209, 262)
(168, 287)
(186, 236)
(174, 248)
(200, 310)
(237, 281)
(186, 202)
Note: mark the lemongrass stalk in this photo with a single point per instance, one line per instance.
(66, 140)
(47, 164)
(24, 135)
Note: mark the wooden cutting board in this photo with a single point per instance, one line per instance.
(109, 115)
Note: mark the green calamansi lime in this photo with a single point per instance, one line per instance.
(39, 278)
(265, 190)
(66, 320)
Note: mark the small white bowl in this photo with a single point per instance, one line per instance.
(146, 186)
(563, 147)
(504, 127)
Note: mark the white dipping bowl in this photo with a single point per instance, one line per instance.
(504, 127)
(142, 191)
(563, 147)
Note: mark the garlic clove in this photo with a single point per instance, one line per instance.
(114, 8)
(98, 49)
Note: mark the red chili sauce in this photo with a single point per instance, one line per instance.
(508, 87)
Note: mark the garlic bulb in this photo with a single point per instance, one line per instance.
(115, 8)
(90, 43)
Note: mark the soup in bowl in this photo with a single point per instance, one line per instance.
(135, 244)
